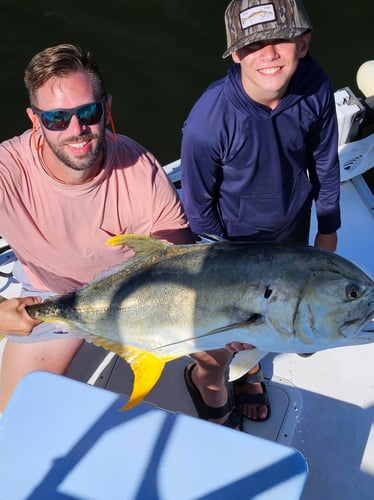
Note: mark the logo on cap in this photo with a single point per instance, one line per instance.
(255, 15)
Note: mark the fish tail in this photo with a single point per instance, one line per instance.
(147, 369)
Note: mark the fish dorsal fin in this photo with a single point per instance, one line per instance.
(146, 367)
(141, 244)
(148, 251)
(243, 361)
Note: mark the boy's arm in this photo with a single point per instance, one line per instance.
(200, 184)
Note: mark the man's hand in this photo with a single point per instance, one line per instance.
(14, 319)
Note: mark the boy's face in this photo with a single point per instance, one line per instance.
(268, 66)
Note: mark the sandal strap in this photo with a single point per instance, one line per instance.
(251, 378)
(253, 399)
(203, 410)
(211, 412)
(235, 420)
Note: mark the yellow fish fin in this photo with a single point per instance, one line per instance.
(140, 243)
(146, 366)
(147, 369)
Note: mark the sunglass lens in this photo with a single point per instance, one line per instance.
(56, 120)
(90, 114)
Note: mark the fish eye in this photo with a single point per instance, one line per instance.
(352, 292)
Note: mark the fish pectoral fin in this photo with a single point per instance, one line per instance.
(147, 369)
(140, 243)
(243, 361)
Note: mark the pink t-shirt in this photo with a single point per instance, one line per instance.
(58, 231)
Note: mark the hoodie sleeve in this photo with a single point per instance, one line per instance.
(325, 172)
(201, 171)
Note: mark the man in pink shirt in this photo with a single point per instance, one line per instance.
(66, 186)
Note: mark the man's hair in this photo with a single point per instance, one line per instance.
(59, 61)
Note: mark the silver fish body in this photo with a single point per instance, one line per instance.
(176, 300)
(304, 297)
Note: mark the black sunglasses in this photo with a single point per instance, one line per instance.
(59, 119)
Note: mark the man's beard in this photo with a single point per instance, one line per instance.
(76, 162)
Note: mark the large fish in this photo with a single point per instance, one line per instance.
(169, 301)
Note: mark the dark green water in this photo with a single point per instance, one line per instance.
(158, 56)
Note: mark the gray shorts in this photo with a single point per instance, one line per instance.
(44, 331)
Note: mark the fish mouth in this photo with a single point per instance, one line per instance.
(362, 333)
(369, 326)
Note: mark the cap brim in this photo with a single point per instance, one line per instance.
(286, 33)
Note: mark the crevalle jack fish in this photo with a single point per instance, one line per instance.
(169, 301)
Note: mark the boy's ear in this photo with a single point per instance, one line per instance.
(235, 57)
(304, 44)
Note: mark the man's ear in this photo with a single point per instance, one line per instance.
(109, 118)
(32, 116)
(108, 109)
(35, 125)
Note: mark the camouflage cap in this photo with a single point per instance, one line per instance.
(249, 21)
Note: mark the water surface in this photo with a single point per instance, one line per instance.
(158, 56)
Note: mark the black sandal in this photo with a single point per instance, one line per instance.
(253, 399)
(206, 412)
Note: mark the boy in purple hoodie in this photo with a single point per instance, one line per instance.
(259, 146)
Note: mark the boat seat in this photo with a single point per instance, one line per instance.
(60, 438)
